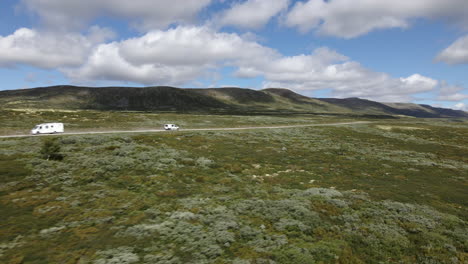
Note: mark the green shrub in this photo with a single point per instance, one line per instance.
(51, 150)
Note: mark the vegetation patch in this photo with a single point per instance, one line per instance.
(338, 194)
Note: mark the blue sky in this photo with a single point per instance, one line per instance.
(390, 51)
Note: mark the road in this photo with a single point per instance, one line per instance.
(188, 129)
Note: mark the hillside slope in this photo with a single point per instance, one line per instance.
(212, 100)
(109, 98)
(406, 109)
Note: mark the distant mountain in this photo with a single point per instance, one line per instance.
(210, 100)
(109, 98)
(404, 109)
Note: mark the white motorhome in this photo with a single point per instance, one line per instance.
(171, 127)
(47, 128)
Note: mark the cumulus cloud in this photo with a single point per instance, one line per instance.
(457, 53)
(461, 106)
(145, 14)
(327, 69)
(107, 64)
(352, 18)
(47, 49)
(251, 13)
(175, 56)
(185, 54)
(451, 92)
(419, 83)
(191, 46)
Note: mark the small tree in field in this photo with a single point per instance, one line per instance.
(51, 150)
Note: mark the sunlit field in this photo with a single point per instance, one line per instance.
(390, 191)
(21, 121)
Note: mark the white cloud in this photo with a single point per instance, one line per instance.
(251, 13)
(175, 56)
(453, 97)
(327, 69)
(451, 93)
(185, 54)
(419, 83)
(457, 53)
(48, 49)
(352, 18)
(461, 106)
(145, 14)
(107, 64)
(198, 46)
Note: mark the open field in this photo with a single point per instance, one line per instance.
(391, 191)
(101, 132)
(21, 121)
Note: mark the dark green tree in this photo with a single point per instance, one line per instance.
(51, 150)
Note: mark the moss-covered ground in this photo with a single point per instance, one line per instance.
(391, 191)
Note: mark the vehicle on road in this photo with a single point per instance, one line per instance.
(47, 128)
(171, 127)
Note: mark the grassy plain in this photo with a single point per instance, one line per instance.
(21, 121)
(392, 191)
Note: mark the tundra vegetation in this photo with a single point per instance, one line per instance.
(390, 191)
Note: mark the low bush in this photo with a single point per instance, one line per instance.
(50, 150)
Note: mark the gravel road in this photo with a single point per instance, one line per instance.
(182, 130)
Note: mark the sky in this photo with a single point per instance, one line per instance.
(388, 51)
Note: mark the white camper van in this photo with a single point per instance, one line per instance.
(171, 127)
(47, 128)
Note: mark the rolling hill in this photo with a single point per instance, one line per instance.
(211, 100)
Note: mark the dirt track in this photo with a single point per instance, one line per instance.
(188, 129)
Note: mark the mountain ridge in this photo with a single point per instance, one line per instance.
(211, 100)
